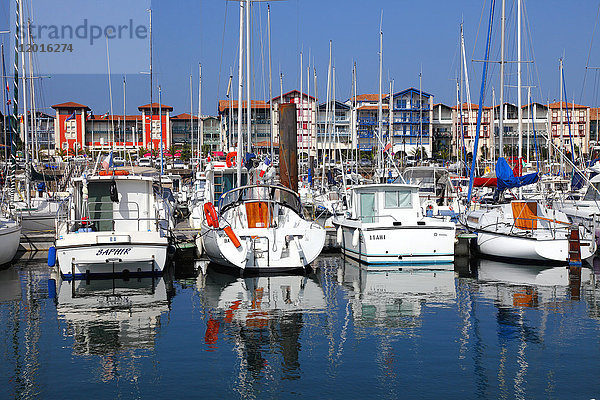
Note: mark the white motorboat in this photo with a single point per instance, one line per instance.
(116, 224)
(261, 228)
(386, 227)
(10, 236)
(525, 231)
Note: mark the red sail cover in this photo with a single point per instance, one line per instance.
(485, 181)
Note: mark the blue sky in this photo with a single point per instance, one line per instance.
(417, 35)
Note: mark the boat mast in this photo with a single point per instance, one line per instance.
(200, 120)
(379, 106)
(501, 120)
(355, 117)
(240, 94)
(466, 83)
(519, 83)
(248, 101)
(34, 144)
(561, 133)
(25, 130)
(5, 105)
(390, 112)
(192, 121)
(300, 118)
(162, 164)
(151, 86)
(124, 111)
(421, 114)
(270, 82)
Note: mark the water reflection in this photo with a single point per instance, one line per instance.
(517, 285)
(10, 287)
(112, 318)
(263, 317)
(515, 289)
(383, 298)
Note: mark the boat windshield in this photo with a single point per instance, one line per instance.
(592, 192)
(261, 193)
(426, 179)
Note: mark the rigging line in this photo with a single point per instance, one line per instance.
(262, 52)
(481, 98)
(223, 47)
(478, 28)
(531, 49)
(587, 63)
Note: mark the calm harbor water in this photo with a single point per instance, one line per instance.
(502, 331)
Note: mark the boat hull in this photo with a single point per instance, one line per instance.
(396, 246)
(257, 254)
(529, 249)
(10, 236)
(93, 260)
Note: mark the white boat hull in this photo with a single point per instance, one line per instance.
(272, 255)
(396, 246)
(85, 258)
(522, 248)
(10, 235)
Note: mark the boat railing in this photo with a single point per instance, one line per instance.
(375, 218)
(87, 224)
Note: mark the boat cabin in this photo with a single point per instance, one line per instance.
(113, 203)
(385, 202)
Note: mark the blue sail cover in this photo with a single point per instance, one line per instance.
(507, 179)
(577, 181)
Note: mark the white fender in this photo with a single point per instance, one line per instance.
(355, 237)
(339, 235)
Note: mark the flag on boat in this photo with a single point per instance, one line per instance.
(70, 117)
(387, 147)
(7, 87)
(104, 116)
(108, 161)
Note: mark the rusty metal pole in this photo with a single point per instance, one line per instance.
(288, 146)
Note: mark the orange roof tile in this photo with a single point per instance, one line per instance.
(370, 97)
(185, 116)
(570, 105)
(224, 104)
(70, 104)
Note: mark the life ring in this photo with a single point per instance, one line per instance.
(231, 234)
(118, 172)
(231, 155)
(211, 215)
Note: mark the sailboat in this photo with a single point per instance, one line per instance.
(524, 230)
(259, 227)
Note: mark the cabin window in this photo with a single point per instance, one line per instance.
(398, 200)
